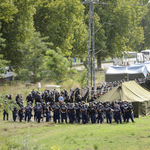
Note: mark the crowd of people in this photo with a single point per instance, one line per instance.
(68, 107)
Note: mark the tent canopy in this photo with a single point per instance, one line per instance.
(116, 73)
(127, 91)
(131, 92)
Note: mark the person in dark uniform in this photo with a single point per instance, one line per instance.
(28, 110)
(83, 111)
(47, 111)
(77, 116)
(63, 111)
(100, 113)
(130, 112)
(5, 110)
(93, 112)
(57, 113)
(71, 112)
(29, 98)
(117, 111)
(15, 110)
(125, 112)
(39, 111)
(33, 94)
(20, 112)
(108, 111)
(35, 112)
(71, 96)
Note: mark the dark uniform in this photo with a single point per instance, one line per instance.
(56, 113)
(63, 113)
(28, 110)
(71, 113)
(93, 112)
(38, 112)
(100, 113)
(108, 113)
(84, 114)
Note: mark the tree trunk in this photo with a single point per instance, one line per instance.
(99, 60)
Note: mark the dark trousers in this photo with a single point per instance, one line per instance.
(125, 116)
(20, 116)
(28, 114)
(39, 116)
(84, 118)
(47, 116)
(71, 117)
(63, 116)
(5, 113)
(108, 118)
(100, 118)
(57, 117)
(130, 116)
(118, 118)
(35, 115)
(77, 118)
(93, 119)
(14, 115)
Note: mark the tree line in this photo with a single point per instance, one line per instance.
(39, 38)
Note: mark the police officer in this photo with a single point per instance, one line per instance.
(108, 111)
(117, 111)
(93, 112)
(29, 98)
(63, 111)
(71, 112)
(77, 115)
(56, 111)
(39, 110)
(130, 112)
(83, 111)
(5, 110)
(100, 113)
(125, 112)
(47, 110)
(28, 110)
(35, 112)
(20, 112)
(15, 111)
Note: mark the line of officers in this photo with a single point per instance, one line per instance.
(95, 112)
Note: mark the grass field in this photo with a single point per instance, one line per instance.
(47, 136)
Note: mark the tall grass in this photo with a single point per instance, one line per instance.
(15, 87)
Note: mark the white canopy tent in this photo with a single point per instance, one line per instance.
(117, 73)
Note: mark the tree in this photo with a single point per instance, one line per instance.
(2, 61)
(63, 22)
(34, 51)
(16, 19)
(57, 65)
(124, 34)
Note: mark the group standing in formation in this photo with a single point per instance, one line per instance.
(52, 106)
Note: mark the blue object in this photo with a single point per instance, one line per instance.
(75, 59)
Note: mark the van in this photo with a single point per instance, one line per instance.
(147, 54)
(141, 58)
(8, 73)
(127, 59)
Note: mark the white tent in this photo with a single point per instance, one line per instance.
(117, 73)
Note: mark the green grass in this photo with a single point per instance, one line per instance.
(134, 136)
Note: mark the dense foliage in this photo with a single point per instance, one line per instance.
(37, 34)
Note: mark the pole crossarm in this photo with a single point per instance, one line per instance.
(104, 24)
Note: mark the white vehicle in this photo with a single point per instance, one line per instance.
(147, 54)
(127, 59)
(141, 58)
(8, 75)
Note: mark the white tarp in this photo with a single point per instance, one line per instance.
(117, 73)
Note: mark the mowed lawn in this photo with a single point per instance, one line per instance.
(47, 136)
